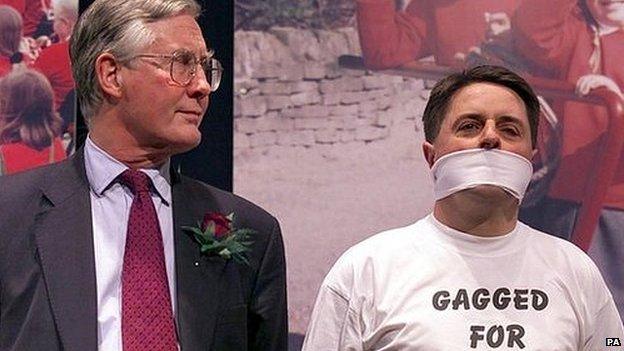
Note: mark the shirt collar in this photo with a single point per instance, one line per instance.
(102, 169)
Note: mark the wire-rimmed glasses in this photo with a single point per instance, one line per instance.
(183, 67)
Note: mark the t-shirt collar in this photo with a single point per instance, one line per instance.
(475, 245)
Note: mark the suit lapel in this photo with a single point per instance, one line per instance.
(197, 277)
(64, 239)
(63, 234)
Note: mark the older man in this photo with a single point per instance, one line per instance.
(100, 252)
(469, 275)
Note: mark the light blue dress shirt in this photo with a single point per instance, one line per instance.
(110, 209)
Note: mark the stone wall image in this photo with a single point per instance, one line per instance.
(334, 154)
(289, 91)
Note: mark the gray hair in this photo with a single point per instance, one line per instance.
(67, 9)
(116, 27)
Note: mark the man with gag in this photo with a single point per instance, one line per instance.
(469, 275)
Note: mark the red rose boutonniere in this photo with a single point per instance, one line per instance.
(216, 235)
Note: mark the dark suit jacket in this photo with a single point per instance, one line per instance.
(47, 268)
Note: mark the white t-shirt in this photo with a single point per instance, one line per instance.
(429, 287)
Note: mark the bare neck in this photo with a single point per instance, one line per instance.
(125, 148)
(485, 216)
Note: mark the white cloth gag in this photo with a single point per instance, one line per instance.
(467, 169)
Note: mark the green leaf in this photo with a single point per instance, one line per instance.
(237, 246)
(233, 244)
(225, 253)
(197, 234)
(235, 249)
(215, 244)
(228, 239)
(245, 231)
(210, 250)
(200, 238)
(192, 229)
(241, 259)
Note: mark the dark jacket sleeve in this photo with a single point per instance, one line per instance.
(268, 329)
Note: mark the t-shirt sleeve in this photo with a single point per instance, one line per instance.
(602, 318)
(333, 326)
(607, 324)
(335, 322)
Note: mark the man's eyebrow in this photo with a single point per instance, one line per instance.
(507, 118)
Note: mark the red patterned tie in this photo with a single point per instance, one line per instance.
(146, 314)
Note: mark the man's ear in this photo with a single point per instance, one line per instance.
(107, 70)
(429, 153)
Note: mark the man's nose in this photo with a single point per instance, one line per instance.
(489, 137)
(199, 85)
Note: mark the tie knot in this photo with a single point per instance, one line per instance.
(137, 181)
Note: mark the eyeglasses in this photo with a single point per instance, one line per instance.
(183, 67)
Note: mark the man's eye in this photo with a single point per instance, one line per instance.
(468, 126)
(185, 58)
(511, 131)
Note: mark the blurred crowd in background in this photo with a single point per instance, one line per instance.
(37, 97)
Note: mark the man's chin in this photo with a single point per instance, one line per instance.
(184, 144)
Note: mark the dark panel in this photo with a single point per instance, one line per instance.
(211, 161)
